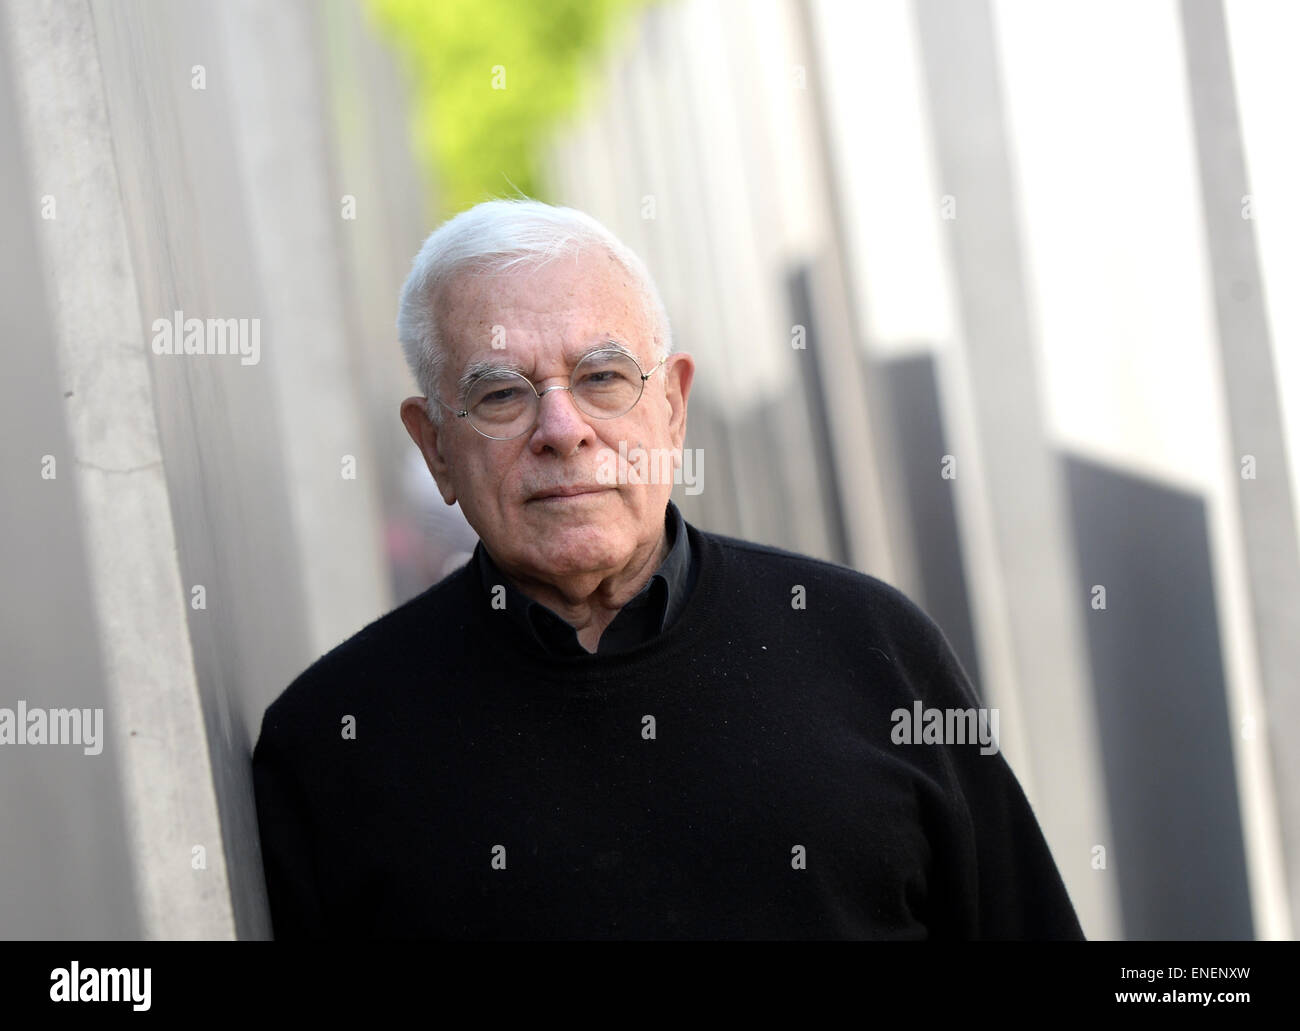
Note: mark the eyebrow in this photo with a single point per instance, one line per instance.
(481, 367)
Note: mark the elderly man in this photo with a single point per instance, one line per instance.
(610, 723)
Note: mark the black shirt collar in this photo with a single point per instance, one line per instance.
(646, 615)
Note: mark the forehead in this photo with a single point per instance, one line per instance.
(561, 308)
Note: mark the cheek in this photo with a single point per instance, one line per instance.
(502, 491)
(480, 484)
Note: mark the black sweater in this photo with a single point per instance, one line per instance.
(482, 789)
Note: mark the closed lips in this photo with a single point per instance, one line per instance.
(566, 492)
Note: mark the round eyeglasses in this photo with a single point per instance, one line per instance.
(502, 404)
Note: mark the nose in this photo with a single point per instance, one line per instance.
(561, 426)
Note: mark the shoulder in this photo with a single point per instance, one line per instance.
(862, 607)
(403, 643)
(839, 584)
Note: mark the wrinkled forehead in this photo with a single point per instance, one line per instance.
(561, 309)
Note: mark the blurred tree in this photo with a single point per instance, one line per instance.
(489, 80)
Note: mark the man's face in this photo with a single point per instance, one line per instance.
(551, 317)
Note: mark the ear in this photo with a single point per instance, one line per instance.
(428, 438)
(679, 374)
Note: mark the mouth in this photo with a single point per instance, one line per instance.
(557, 494)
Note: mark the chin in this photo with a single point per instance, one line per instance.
(581, 548)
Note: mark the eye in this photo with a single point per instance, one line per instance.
(500, 395)
(608, 368)
(497, 390)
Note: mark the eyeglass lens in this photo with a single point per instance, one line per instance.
(604, 385)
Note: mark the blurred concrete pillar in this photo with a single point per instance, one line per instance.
(1264, 502)
(686, 249)
(296, 221)
(188, 148)
(153, 720)
(875, 518)
(1043, 603)
(49, 640)
(775, 276)
(369, 132)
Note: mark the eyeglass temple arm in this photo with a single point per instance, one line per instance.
(460, 413)
(646, 375)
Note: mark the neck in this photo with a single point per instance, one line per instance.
(589, 601)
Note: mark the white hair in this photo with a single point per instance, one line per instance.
(499, 236)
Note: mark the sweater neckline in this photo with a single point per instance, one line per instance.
(694, 621)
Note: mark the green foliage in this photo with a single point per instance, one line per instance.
(477, 140)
